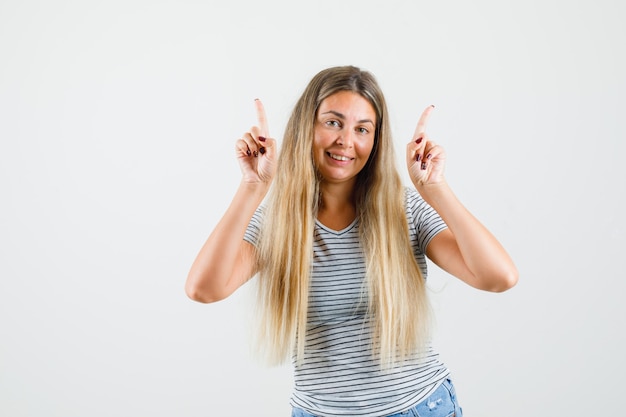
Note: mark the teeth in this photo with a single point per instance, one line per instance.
(339, 157)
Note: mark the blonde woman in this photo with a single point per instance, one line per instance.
(340, 251)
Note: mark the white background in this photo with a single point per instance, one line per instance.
(117, 126)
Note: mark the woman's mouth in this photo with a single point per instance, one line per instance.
(338, 157)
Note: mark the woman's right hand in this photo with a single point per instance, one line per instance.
(256, 151)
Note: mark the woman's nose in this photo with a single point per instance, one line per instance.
(345, 138)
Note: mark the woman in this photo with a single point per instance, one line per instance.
(340, 250)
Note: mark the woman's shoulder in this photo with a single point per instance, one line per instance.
(417, 207)
(412, 198)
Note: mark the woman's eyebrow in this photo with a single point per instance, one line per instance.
(336, 113)
(341, 116)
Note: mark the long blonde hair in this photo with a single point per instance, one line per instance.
(397, 299)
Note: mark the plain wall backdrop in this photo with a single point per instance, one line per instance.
(117, 128)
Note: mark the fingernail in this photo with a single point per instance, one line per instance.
(262, 139)
(432, 105)
(248, 152)
(262, 150)
(256, 99)
(429, 156)
(423, 166)
(418, 141)
(256, 154)
(419, 156)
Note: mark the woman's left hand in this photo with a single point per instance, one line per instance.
(425, 159)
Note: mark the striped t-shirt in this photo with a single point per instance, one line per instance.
(339, 376)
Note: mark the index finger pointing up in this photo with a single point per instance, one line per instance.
(260, 115)
(421, 124)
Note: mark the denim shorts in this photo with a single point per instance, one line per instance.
(441, 403)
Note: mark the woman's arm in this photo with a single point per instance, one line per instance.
(466, 249)
(226, 261)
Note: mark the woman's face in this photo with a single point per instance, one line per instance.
(344, 136)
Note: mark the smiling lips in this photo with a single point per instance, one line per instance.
(338, 157)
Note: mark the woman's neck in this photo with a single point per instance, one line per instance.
(337, 208)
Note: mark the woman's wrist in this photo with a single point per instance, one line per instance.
(254, 189)
(433, 192)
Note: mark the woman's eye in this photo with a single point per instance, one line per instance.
(363, 130)
(333, 123)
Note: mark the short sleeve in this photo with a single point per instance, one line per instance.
(424, 221)
(253, 230)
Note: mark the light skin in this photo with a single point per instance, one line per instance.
(226, 261)
(344, 134)
(466, 249)
(343, 140)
